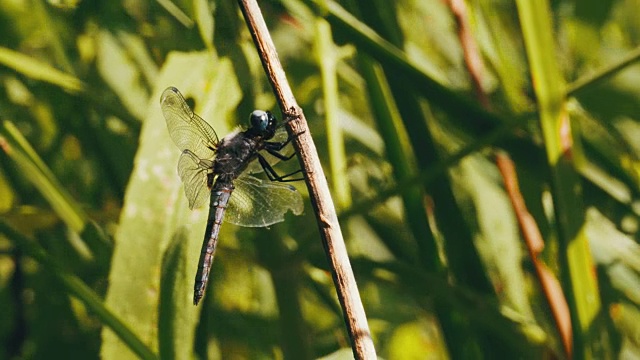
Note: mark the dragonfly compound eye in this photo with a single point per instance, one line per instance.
(259, 120)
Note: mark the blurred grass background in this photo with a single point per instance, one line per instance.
(408, 102)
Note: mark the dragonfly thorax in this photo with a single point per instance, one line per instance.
(235, 152)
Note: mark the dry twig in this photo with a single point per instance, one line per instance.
(535, 244)
(321, 200)
(472, 56)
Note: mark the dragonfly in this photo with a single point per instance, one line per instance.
(222, 171)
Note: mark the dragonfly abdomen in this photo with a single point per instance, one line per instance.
(220, 195)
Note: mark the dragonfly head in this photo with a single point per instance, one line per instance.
(263, 123)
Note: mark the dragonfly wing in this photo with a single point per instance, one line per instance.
(194, 171)
(257, 203)
(188, 130)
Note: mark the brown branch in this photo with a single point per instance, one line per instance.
(321, 200)
(533, 239)
(472, 56)
(550, 285)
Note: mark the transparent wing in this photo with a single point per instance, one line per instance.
(257, 203)
(280, 136)
(188, 131)
(193, 171)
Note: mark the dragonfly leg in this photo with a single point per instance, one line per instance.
(274, 148)
(272, 174)
(279, 155)
(277, 146)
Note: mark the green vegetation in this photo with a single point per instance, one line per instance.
(412, 105)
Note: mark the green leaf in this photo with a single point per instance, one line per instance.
(177, 317)
(74, 286)
(36, 170)
(204, 20)
(38, 70)
(155, 207)
(116, 64)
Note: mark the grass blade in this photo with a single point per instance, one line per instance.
(576, 262)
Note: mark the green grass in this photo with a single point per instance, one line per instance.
(99, 247)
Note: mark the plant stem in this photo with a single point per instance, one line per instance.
(353, 311)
